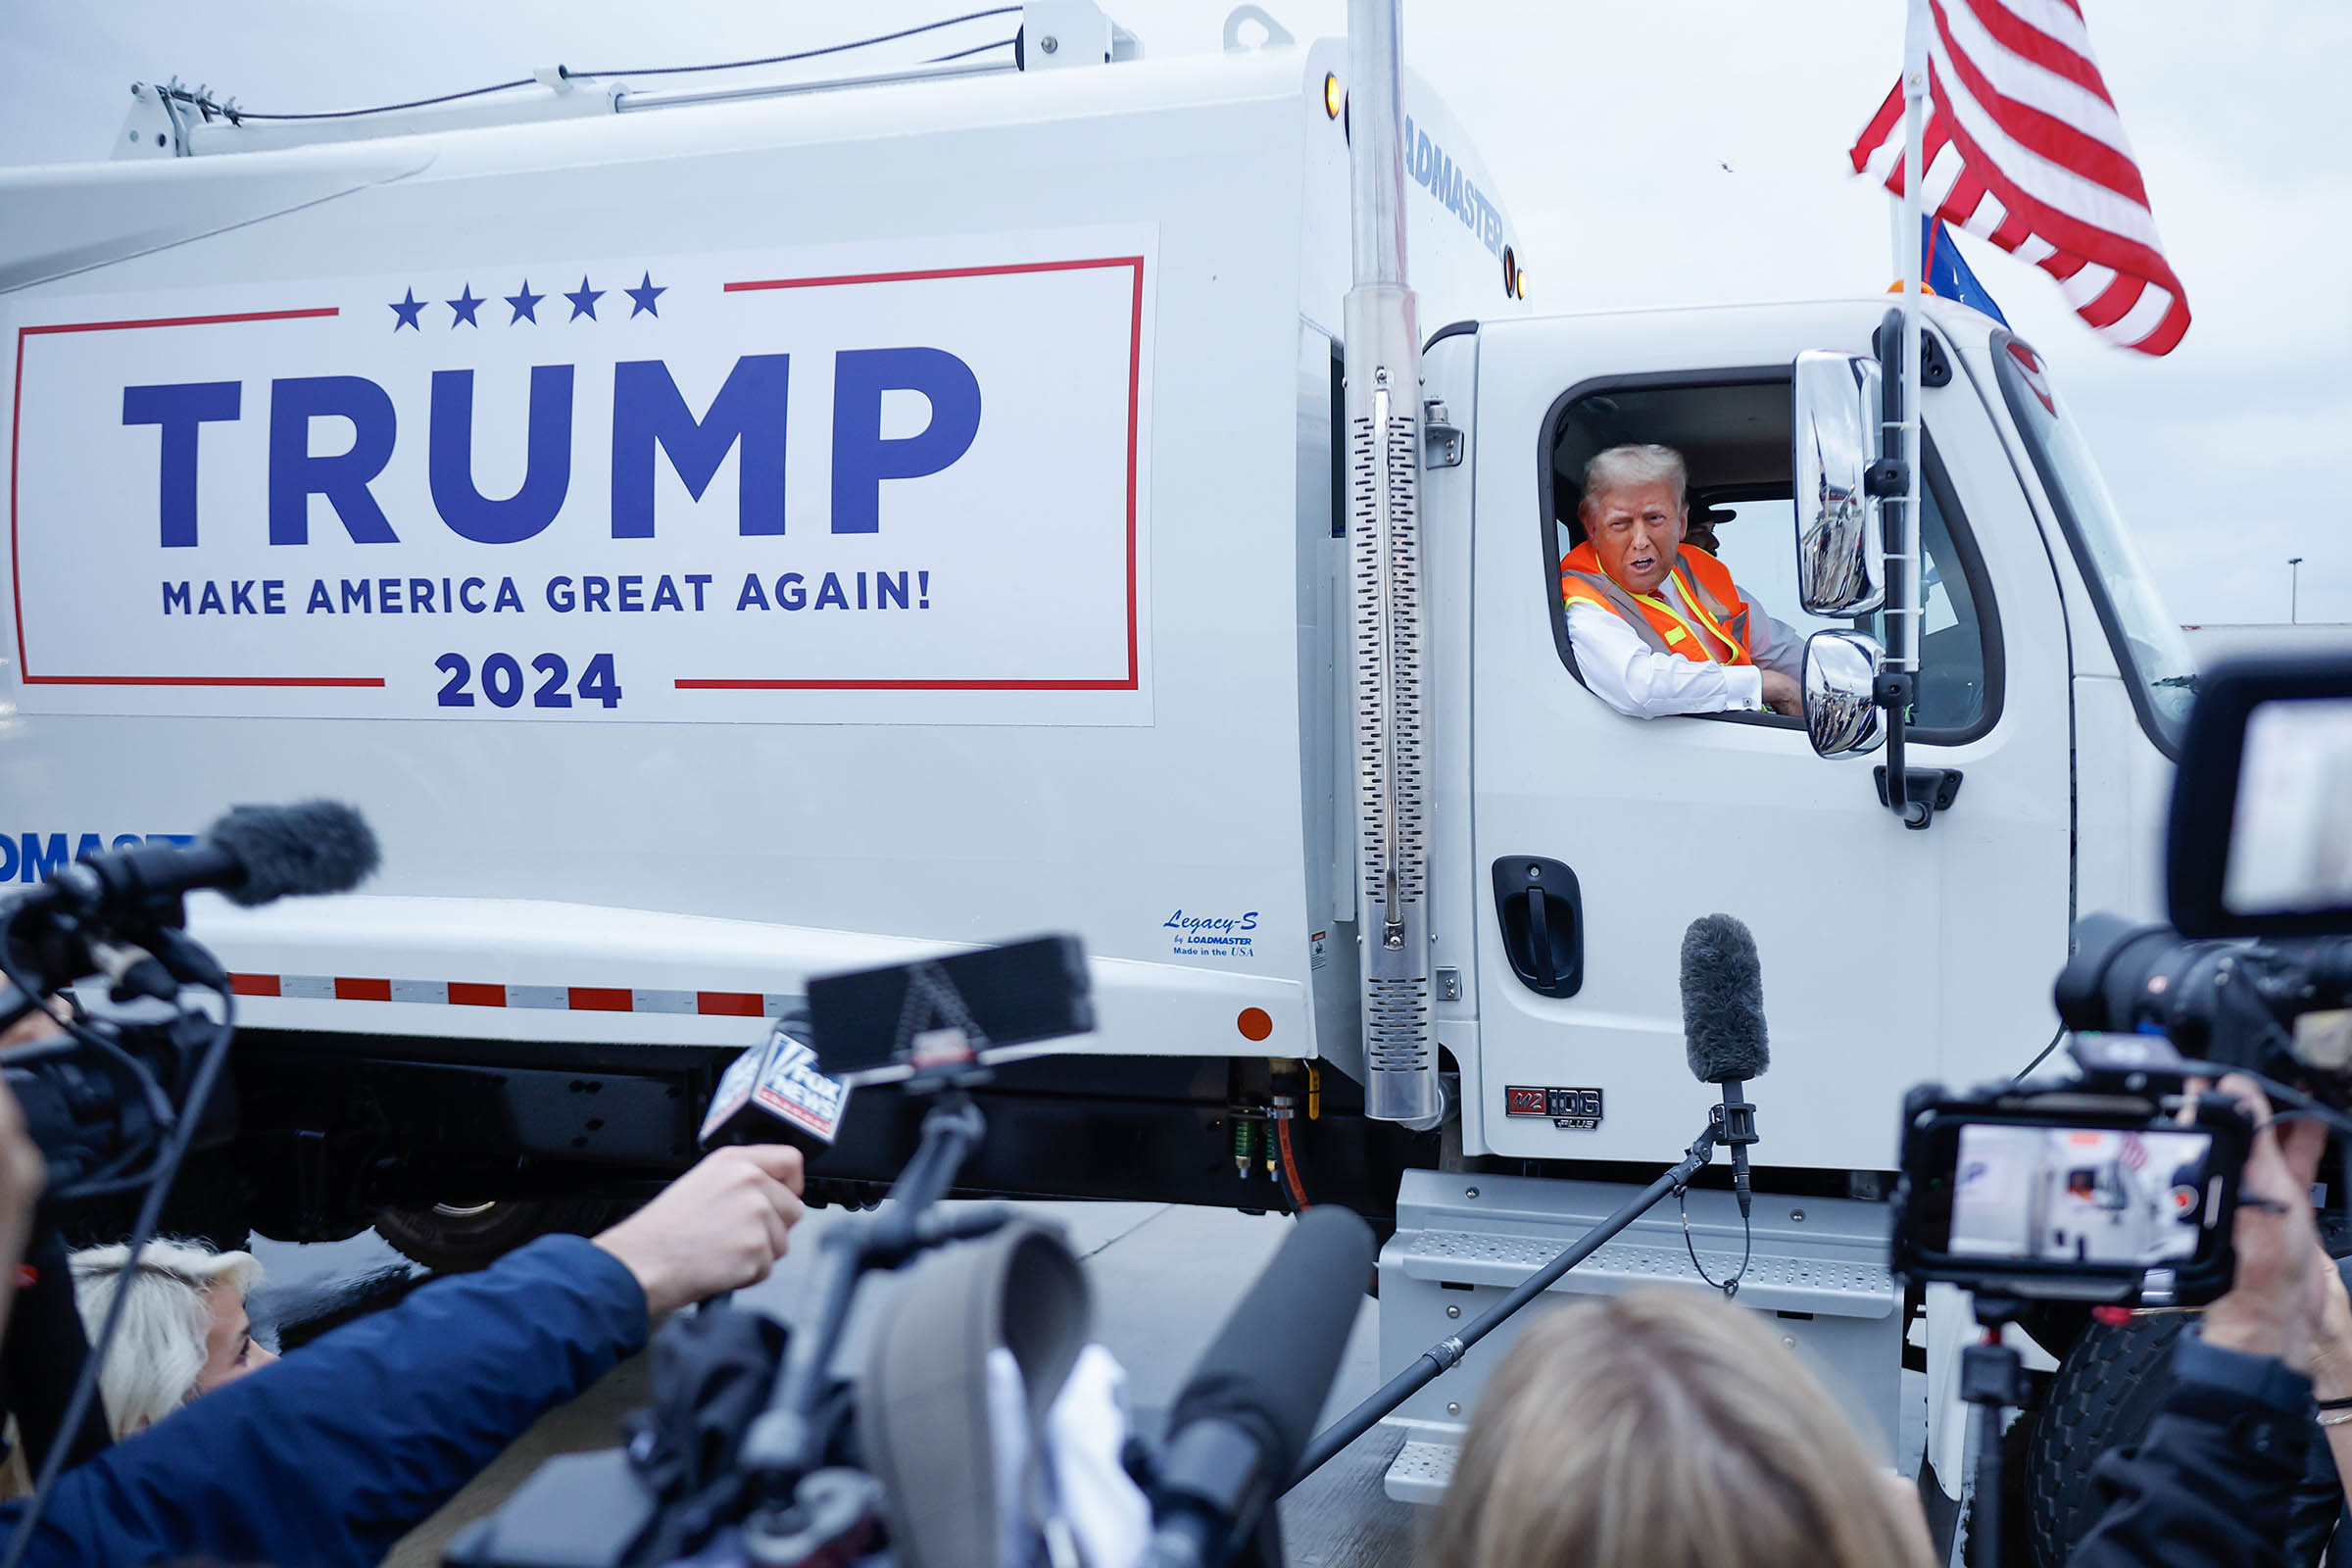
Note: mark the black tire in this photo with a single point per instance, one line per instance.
(454, 1238)
(2104, 1394)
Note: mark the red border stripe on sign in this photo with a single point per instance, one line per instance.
(16, 417)
(1133, 680)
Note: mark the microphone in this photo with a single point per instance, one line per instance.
(253, 854)
(1723, 1028)
(1238, 1428)
(775, 1092)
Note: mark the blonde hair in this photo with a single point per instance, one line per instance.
(158, 1352)
(1622, 468)
(1663, 1429)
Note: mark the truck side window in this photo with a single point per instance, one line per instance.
(1733, 437)
(1952, 649)
(1757, 544)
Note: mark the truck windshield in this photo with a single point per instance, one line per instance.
(2148, 643)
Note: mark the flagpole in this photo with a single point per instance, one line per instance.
(1903, 612)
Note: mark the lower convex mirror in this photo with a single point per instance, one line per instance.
(1842, 672)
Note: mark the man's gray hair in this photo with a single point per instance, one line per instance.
(1621, 467)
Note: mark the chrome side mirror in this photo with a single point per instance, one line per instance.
(1841, 670)
(1840, 539)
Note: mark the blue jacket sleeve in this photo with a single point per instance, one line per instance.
(2211, 1480)
(332, 1454)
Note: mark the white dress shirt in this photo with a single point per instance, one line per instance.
(1621, 669)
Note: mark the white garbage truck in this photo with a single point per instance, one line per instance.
(1085, 492)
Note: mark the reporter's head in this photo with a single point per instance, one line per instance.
(184, 1331)
(1665, 1428)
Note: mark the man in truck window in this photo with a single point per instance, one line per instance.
(1659, 628)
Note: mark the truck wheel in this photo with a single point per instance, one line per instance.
(2104, 1394)
(453, 1237)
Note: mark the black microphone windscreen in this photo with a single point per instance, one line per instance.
(315, 846)
(1723, 1001)
(1272, 1364)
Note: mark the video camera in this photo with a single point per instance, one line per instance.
(100, 1099)
(114, 1102)
(762, 1449)
(2119, 1187)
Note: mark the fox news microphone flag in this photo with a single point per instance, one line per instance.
(2023, 148)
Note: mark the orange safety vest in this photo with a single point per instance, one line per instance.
(1719, 635)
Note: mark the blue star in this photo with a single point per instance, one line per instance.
(405, 309)
(527, 304)
(643, 296)
(465, 304)
(583, 299)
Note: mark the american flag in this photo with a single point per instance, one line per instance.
(2134, 1153)
(2023, 147)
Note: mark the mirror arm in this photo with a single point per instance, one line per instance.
(1893, 693)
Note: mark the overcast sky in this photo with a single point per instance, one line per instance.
(1607, 127)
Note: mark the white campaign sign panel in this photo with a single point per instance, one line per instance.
(840, 485)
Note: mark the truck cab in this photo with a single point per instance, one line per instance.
(2039, 626)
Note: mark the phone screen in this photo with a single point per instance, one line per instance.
(2086, 1195)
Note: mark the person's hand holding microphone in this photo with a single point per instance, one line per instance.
(719, 1227)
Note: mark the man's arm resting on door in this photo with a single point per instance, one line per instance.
(1642, 684)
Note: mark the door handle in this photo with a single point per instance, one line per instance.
(1540, 909)
(1539, 941)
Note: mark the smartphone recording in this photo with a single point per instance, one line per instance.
(2071, 1196)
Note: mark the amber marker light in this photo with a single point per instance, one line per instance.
(1254, 1023)
(1334, 100)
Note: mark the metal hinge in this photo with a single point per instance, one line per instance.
(1440, 441)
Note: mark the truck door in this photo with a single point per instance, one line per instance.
(1890, 955)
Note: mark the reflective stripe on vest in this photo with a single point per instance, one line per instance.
(1656, 620)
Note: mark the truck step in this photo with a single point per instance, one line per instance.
(1816, 1277)
(1845, 1287)
(1420, 1472)
(1817, 1255)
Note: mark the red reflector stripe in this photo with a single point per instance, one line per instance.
(602, 999)
(479, 994)
(729, 1005)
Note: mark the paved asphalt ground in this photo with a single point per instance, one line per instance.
(1164, 1277)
